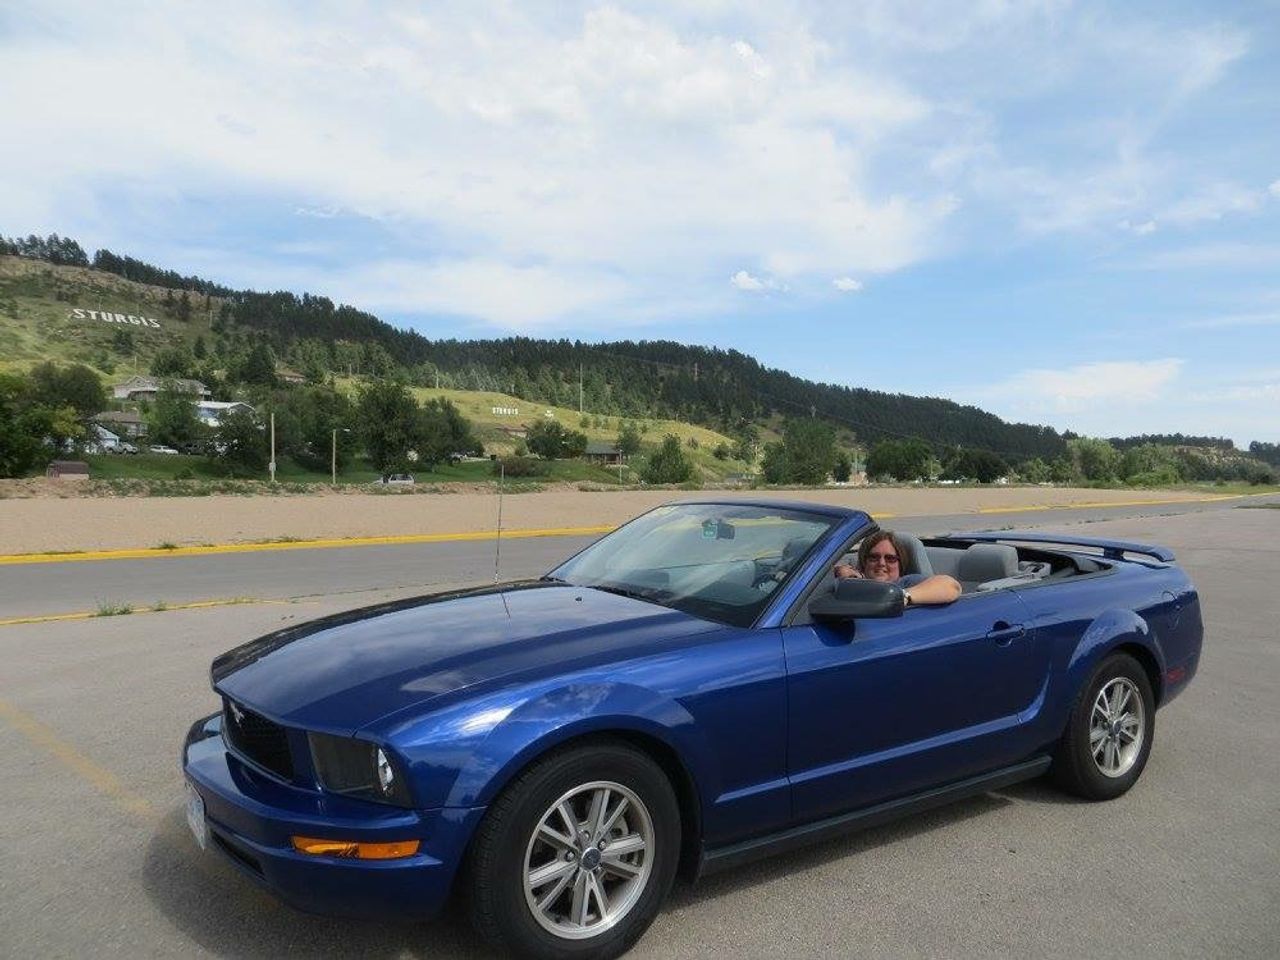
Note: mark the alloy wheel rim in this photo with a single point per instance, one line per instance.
(1117, 727)
(588, 860)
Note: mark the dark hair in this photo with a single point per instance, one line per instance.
(901, 549)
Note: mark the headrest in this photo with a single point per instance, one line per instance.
(987, 561)
(919, 558)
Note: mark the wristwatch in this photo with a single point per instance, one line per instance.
(906, 599)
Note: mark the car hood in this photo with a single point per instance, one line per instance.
(344, 672)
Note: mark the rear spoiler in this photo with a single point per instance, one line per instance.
(1111, 549)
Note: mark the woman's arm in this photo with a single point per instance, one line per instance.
(939, 588)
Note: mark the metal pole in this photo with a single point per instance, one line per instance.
(579, 389)
(497, 552)
(272, 464)
(333, 457)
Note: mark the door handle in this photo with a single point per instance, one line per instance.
(1005, 633)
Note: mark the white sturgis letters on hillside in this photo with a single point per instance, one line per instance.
(108, 317)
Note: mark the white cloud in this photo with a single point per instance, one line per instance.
(1227, 255)
(602, 144)
(645, 152)
(847, 284)
(1212, 203)
(1143, 229)
(515, 297)
(1264, 319)
(1274, 189)
(746, 282)
(1085, 386)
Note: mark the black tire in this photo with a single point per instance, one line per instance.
(1075, 768)
(495, 874)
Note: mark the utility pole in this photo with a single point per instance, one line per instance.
(272, 465)
(579, 389)
(333, 458)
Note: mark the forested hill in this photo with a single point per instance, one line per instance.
(724, 389)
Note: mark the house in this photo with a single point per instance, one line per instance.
(124, 423)
(210, 412)
(287, 375)
(604, 452)
(146, 388)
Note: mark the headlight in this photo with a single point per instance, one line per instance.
(357, 768)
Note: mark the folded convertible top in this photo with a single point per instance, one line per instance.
(1111, 549)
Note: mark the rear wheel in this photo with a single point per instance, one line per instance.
(1109, 735)
(576, 855)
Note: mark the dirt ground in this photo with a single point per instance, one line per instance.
(93, 523)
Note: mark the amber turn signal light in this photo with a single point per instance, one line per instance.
(354, 850)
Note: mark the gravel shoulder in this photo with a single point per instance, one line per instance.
(43, 524)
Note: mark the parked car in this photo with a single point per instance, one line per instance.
(159, 448)
(396, 480)
(690, 692)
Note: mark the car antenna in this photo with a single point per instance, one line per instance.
(497, 551)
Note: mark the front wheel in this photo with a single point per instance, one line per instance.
(1109, 735)
(576, 855)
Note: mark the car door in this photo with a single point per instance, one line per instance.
(881, 708)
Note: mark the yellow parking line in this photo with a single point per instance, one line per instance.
(1091, 505)
(146, 553)
(91, 614)
(96, 776)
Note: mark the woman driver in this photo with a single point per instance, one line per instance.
(883, 557)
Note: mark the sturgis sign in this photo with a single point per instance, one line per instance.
(108, 317)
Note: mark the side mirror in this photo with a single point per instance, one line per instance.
(854, 599)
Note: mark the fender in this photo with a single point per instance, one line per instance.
(464, 756)
(1111, 629)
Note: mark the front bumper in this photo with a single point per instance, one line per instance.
(252, 816)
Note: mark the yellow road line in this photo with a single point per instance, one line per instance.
(147, 553)
(93, 614)
(96, 776)
(1092, 505)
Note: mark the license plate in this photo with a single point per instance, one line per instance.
(195, 817)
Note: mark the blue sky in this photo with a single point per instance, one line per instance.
(1065, 213)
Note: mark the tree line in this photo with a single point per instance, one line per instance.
(721, 389)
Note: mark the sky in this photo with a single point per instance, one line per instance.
(1064, 213)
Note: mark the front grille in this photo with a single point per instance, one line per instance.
(263, 741)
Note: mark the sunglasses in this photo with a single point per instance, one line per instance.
(888, 559)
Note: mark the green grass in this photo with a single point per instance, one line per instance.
(37, 324)
(109, 609)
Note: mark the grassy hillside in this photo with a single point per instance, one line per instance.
(478, 406)
(38, 322)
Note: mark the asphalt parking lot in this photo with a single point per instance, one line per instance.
(96, 858)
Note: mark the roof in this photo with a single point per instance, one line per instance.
(601, 447)
(221, 404)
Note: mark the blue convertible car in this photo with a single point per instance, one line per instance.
(691, 691)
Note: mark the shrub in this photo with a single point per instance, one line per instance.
(668, 464)
(519, 467)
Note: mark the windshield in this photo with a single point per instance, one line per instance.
(713, 560)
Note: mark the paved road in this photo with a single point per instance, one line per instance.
(96, 860)
(42, 589)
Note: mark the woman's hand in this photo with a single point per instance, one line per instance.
(843, 571)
